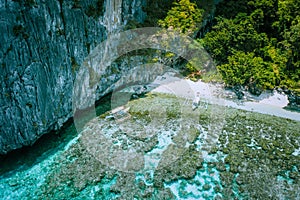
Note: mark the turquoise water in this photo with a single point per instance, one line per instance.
(22, 172)
(60, 166)
(205, 185)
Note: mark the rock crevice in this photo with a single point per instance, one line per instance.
(43, 45)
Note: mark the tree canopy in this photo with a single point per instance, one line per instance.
(258, 43)
(254, 42)
(184, 17)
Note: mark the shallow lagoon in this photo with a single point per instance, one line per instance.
(165, 150)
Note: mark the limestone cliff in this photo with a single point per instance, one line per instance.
(43, 43)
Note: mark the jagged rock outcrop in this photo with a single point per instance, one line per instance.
(43, 43)
(294, 101)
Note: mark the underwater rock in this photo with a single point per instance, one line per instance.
(244, 170)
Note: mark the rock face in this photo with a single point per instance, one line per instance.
(43, 43)
(294, 102)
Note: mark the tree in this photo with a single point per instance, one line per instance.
(184, 17)
(247, 69)
(288, 10)
(291, 45)
(230, 35)
(268, 15)
(230, 9)
(257, 43)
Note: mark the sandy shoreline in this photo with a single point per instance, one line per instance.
(266, 103)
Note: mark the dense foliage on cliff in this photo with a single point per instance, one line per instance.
(183, 17)
(257, 42)
(254, 43)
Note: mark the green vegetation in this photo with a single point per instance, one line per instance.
(254, 43)
(246, 68)
(257, 42)
(247, 147)
(258, 147)
(184, 17)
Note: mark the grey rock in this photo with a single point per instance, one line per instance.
(43, 43)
